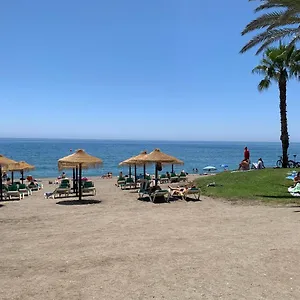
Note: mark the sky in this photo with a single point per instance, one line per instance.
(145, 70)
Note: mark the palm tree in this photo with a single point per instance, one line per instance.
(279, 65)
(280, 20)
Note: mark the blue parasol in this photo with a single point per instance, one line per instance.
(210, 168)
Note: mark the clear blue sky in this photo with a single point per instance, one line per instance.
(132, 69)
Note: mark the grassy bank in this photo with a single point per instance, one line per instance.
(268, 185)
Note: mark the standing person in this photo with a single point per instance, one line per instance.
(246, 154)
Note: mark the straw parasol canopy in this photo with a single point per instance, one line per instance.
(158, 156)
(4, 161)
(80, 157)
(20, 166)
(135, 160)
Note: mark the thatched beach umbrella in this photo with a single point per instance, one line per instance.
(4, 162)
(156, 156)
(79, 159)
(20, 166)
(135, 161)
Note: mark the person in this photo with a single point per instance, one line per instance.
(63, 175)
(244, 165)
(180, 190)
(297, 179)
(196, 170)
(246, 154)
(259, 165)
(168, 175)
(4, 175)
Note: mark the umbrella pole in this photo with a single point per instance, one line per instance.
(80, 175)
(12, 176)
(22, 176)
(1, 194)
(76, 185)
(135, 173)
(156, 175)
(73, 179)
(144, 171)
(129, 171)
(172, 168)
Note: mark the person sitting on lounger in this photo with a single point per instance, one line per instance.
(180, 190)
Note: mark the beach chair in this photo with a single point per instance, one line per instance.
(12, 191)
(174, 178)
(163, 178)
(196, 192)
(65, 181)
(182, 177)
(144, 187)
(144, 191)
(121, 181)
(34, 186)
(129, 182)
(156, 194)
(88, 187)
(160, 193)
(25, 190)
(61, 190)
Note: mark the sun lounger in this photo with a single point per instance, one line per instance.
(88, 187)
(144, 187)
(121, 181)
(61, 190)
(25, 190)
(182, 177)
(129, 182)
(192, 191)
(174, 178)
(163, 178)
(12, 191)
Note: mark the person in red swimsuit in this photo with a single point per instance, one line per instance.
(246, 154)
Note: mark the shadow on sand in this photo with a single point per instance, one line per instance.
(1, 205)
(78, 202)
(277, 197)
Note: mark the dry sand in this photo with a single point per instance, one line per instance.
(122, 248)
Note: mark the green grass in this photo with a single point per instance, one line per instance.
(268, 185)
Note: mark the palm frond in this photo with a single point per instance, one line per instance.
(264, 84)
(261, 70)
(268, 37)
(262, 22)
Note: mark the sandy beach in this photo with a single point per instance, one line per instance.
(123, 248)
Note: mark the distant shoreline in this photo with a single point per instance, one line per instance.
(28, 139)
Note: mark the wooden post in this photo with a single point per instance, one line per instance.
(76, 185)
(22, 176)
(80, 175)
(156, 175)
(74, 180)
(1, 194)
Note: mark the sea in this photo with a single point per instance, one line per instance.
(44, 154)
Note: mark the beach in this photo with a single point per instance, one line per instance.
(113, 246)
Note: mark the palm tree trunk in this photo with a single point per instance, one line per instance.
(284, 137)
